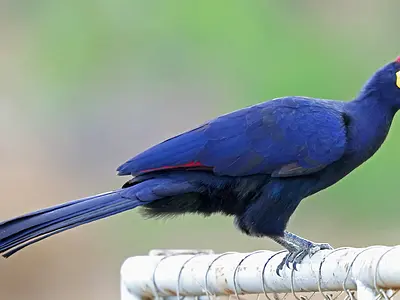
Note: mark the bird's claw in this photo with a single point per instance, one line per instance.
(292, 257)
(296, 257)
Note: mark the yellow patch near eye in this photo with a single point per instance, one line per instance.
(398, 79)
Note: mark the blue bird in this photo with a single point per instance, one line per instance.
(255, 164)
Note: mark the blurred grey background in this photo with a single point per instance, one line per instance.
(85, 85)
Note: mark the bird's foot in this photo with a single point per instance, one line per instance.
(298, 249)
(296, 256)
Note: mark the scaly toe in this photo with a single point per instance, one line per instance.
(325, 246)
(310, 252)
(318, 247)
(281, 265)
(299, 258)
(289, 258)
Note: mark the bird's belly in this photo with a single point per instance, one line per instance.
(335, 172)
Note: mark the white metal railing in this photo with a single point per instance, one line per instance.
(373, 272)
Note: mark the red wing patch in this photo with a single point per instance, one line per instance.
(193, 165)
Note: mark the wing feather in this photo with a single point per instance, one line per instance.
(289, 136)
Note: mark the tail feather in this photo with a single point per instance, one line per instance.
(20, 232)
(15, 225)
(88, 217)
(23, 231)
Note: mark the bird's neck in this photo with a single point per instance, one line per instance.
(371, 106)
(370, 121)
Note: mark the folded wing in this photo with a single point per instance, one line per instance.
(289, 136)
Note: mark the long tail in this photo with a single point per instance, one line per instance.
(20, 232)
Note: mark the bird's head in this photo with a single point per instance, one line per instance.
(385, 84)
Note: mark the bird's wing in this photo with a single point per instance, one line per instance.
(283, 137)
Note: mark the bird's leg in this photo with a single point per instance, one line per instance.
(298, 249)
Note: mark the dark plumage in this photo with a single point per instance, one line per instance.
(255, 164)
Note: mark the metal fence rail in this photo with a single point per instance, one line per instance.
(373, 272)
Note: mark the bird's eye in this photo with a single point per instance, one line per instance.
(398, 79)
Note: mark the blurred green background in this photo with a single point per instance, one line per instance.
(85, 85)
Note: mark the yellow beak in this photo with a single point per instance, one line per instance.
(398, 79)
